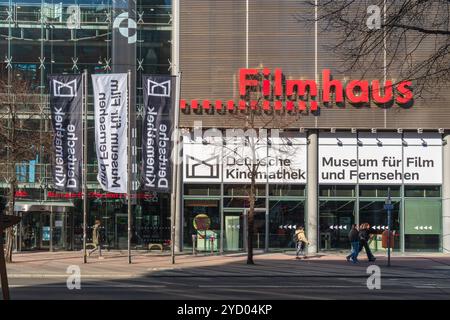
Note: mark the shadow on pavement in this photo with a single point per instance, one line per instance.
(273, 277)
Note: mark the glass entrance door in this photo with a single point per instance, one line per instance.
(373, 213)
(35, 231)
(61, 231)
(259, 229)
(335, 218)
(121, 235)
(235, 226)
(233, 229)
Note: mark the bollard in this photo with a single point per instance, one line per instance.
(257, 236)
(194, 238)
(212, 245)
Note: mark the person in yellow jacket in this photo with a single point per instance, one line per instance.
(301, 241)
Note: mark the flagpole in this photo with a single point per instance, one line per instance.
(129, 165)
(175, 201)
(176, 172)
(85, 196)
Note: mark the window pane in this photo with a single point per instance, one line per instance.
(243, 203)
(287, 190)
(202, 190)
(284, 216)
(433, 191)
(430, 242)
(335, 220)
(336, 191)
(422, 191)
(201, 219)
(378, 191)
(243, 190)
(373, 213)
(422, 224)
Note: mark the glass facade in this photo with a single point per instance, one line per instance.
(38, 38)
(416, 216)
(279, 208)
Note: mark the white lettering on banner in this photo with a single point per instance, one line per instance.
(60, 176)
(385, 163)
(164, 141)
(72, 161)
(160, 134)
(110, 98)
(150, 173)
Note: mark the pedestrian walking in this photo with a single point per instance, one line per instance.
(96, 241)
(301, 241)
(364, 237)
(353, 237)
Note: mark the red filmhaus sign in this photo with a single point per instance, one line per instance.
(300, 95)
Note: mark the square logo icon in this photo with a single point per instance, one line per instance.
(65, 90)
(197, 168)
(158, 89)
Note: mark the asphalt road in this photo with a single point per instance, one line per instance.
(232, 287)
(275, 276)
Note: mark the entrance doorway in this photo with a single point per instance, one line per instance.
(335, 221)
(235, 229)
(121, 234)
(34, 231)
(43, 230)
(260, 227)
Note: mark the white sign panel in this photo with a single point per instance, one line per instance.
(238, 161)
(287, 163)
(383, 158)
(380, 164)
(380, 158)
(213, 161)
(337, 164)
(110, 109)
(422, 164)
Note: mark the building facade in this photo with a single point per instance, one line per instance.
(352, 154)
(39, 38)
(332, 166)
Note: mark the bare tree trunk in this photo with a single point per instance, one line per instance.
(9, 243)
(12, 184)
(251, 217)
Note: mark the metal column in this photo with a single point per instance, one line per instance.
(51, 228)
(312, 191)
(446, 194)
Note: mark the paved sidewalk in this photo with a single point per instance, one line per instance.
(114, 264)
(228, 277)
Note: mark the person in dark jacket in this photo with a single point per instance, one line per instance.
(353, 237)
(364, 237)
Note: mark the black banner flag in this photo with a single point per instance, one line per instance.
(157, 129)
(66, 99)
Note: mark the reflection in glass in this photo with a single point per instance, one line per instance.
(233, 231)
(284, 217)
(201, 220)
(335, 220)
(373, 213)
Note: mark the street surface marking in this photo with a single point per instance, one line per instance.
(37, 286)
